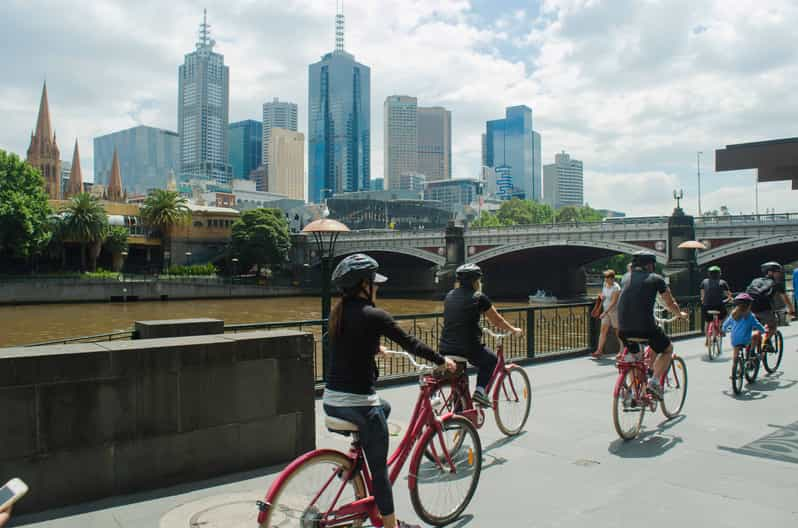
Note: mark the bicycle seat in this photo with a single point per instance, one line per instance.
(636, 339)
(336, 425)
(458, 359)
(713, 312)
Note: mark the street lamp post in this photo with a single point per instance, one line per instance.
(325, 234)
(698, 170)
(188, 258)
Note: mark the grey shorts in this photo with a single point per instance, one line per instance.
(610, 319)
(767, 318)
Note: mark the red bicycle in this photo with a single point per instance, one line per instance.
(630, 397)
(509, 385)
(326, 488)
(714, 335)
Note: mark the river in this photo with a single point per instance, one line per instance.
(44, 322)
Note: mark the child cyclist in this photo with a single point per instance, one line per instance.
(742, 322)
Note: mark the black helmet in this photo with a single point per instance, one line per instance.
(353, 269)
(771, 266)
(643, 257)
(468, 272)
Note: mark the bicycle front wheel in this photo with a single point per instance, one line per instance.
(311, 489)
(714, 347)
(674, 388)
(512, 400)
(628, 408)
(445, 482)
(737, 371)
(752, 361)
(771, 358)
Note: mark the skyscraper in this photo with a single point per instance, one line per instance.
(276, 114)
(512, 148)
(43, 153)
(244, 140)
(400, 139)
(203, 106)
(435, 143)
(287, 163)
(563, 182)
(146, 155)
(339, 130)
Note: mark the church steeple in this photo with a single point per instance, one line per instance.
(43, 153)
(114, 191)
(75, 186)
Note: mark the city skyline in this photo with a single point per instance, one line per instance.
(627, 123)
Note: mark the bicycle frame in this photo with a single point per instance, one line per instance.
(640, 369)
(422, 424)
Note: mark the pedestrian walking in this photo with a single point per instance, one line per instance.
(610, 292)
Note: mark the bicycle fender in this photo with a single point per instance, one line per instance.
(284, 475)
(415, 460)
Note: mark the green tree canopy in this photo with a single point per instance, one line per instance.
(525, 212)
(24, 211)
(261, 237)
(86, 223)
(573, 213)
(163, 209)
(116, 240)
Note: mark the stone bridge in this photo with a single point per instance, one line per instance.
(520, 259)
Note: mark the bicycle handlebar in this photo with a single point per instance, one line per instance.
(497, 335)
(418, 366)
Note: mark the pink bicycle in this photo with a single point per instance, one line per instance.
(326, 488)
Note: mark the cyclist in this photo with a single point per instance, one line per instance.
(639, 289)
(763, 290)
(715, 292)
(462, 335)
(356, 326)
(742, 322)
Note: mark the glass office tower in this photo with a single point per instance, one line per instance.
(511, 145)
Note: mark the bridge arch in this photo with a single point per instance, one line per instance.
(432, 258)
(744, 245)
(617, 247)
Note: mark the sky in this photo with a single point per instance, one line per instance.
(633, 88)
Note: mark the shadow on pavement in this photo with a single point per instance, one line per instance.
(649, 443)
(464, 520)
(773, 382)
(748, 394)
(781, 445)
(724, 358)
(489, 460)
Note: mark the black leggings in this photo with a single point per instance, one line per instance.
(373, 425)
(485, 360)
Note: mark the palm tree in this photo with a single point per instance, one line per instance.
(86, 223)
(162, 210)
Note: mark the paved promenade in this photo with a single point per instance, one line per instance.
(727, 462)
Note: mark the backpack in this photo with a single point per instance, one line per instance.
(760, 289)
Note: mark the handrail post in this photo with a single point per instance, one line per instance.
(530, 332)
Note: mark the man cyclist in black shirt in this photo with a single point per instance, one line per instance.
(764, 289)
(639, 289)
(715, 292)
(462, 335)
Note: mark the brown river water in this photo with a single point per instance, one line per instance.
(44, 322)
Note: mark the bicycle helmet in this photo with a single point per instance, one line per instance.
(714, 269)
(642, 258)
(468, 272)
(771, 266)
(743, 298)
(351, 271)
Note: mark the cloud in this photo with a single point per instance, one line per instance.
(632, 88)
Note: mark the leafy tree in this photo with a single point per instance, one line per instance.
(24, 211)
(261, 237)
(724, 211)
(86, 223)
(163, 210)
(573, 213)
(116, 244)
(487, 219)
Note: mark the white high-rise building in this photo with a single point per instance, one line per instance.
(202, 119)
(563, 182)
(401, 138)
(276, 114)
(287, 168)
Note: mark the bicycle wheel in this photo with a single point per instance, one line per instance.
(771, 358)
(627, 409)
(737, 371)
(674, 388)
(752, 355)
(311, 489)
(512, 400)
(443, 487)
(714, 347)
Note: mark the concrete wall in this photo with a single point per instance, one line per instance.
(86, 421)
(79, 290)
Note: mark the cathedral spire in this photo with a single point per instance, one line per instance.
(43, 128)
(75, 186)
(114, 191)
(43, 153)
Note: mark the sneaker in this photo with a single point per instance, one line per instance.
(402, 524)
(481, 399)
(655, 389)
